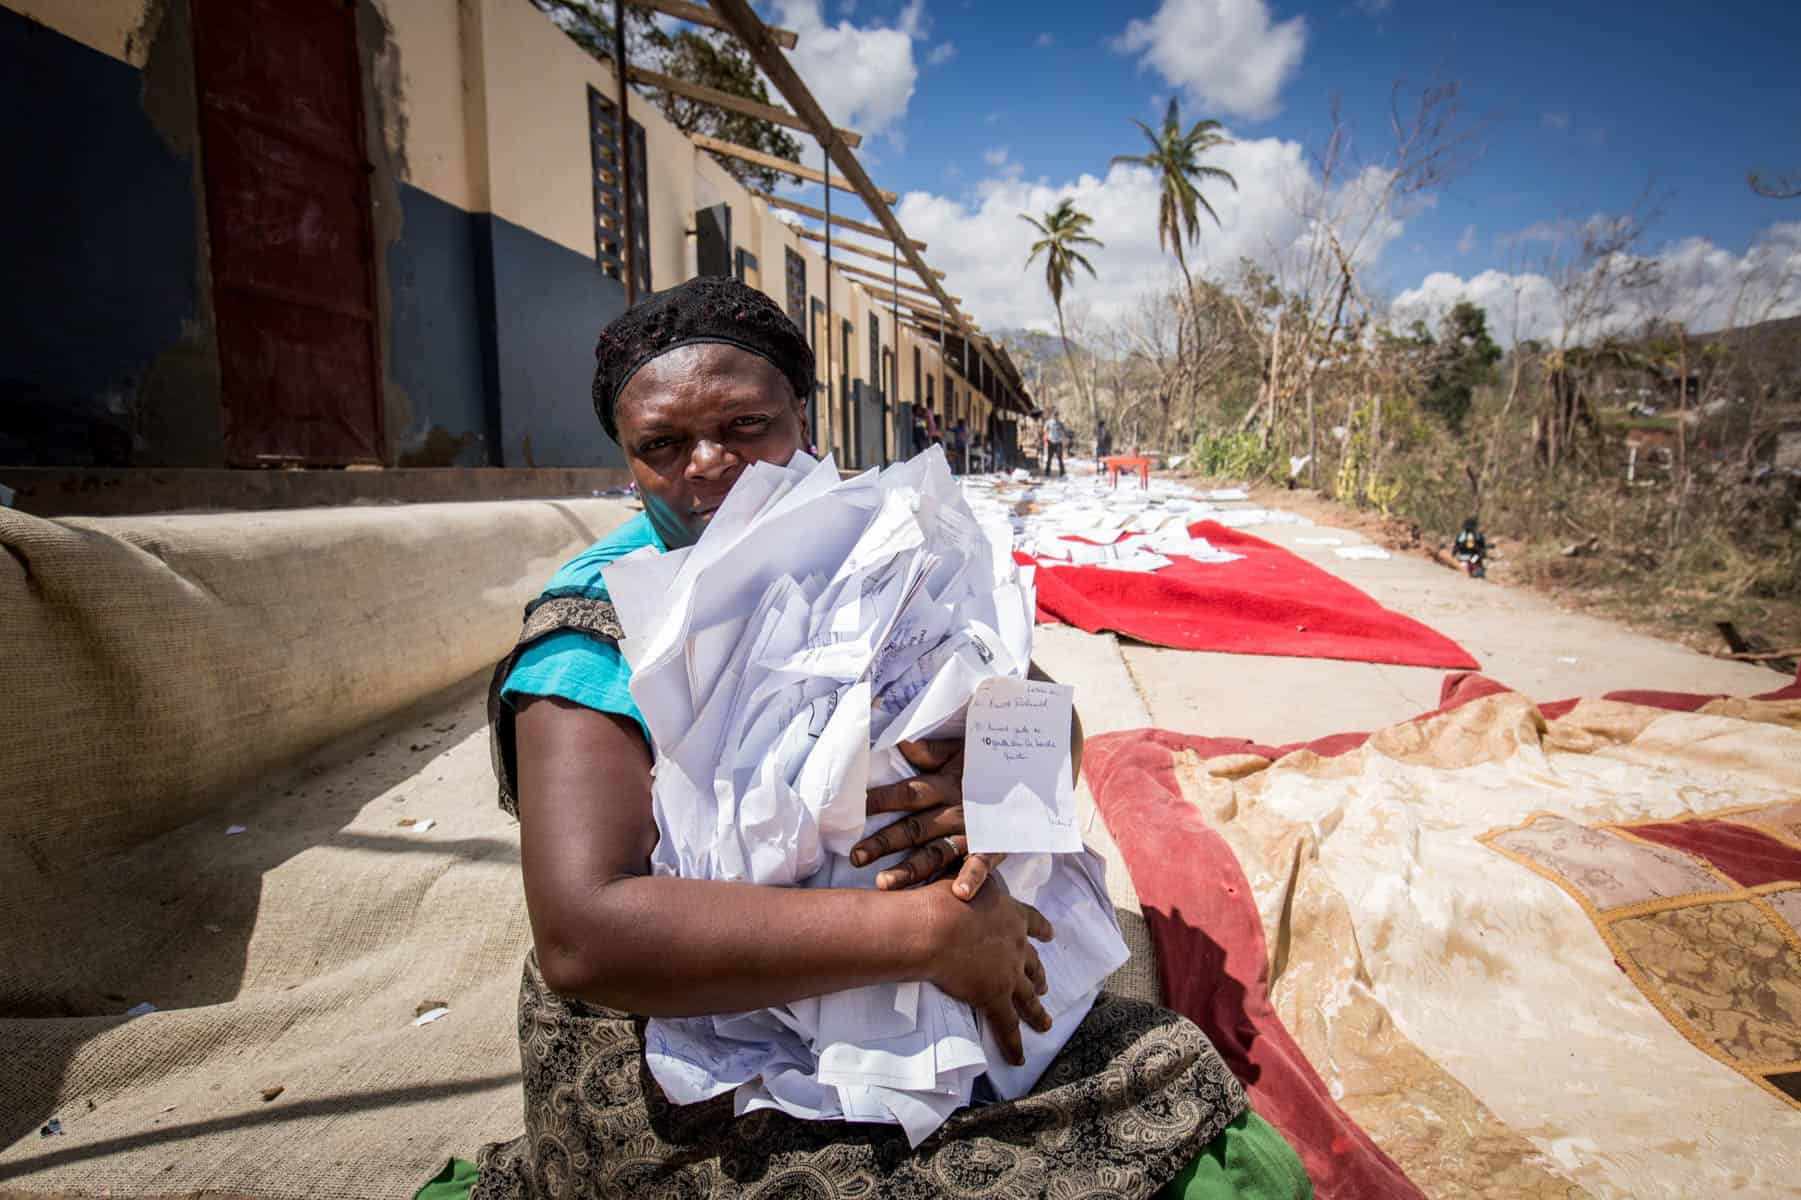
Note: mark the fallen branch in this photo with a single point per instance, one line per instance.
(1758, 655)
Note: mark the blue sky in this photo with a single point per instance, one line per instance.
(1578, 109)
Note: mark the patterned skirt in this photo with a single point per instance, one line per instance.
(1134, 1097)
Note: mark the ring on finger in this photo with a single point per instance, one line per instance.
(950, 843)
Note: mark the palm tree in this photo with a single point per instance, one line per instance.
(1064, 229)
(1175, 156)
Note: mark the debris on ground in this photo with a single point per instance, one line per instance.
(272, 1091)
(51, 1128)
(140, 1010)
(431, 1010)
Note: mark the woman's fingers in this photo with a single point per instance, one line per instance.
(927, 757)
(1003, 1023)
(1035, 972)
(911, 795)
(923, 863)
(1025, 1003)
(975, 872)
(916, 829)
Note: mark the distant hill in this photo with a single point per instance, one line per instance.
(1031, 344)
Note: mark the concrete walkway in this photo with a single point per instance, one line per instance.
(1520, 638)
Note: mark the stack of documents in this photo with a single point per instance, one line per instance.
(778, 662)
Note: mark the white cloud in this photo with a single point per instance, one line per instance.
(994, 118)
(1044, 39)
(1557, 120)
(863, 76)
(942, 53)
(982, 244)
(1702, 285)
(1467, 242)
(1227, 54)
(996, 157)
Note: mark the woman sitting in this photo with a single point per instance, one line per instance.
(694, 384)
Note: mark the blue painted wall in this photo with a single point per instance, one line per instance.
(492, 338)
(435, 334)
(98, 274)
(548, 305)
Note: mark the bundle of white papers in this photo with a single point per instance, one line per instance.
(778, 662)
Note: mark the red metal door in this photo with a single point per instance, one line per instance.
(287, 200)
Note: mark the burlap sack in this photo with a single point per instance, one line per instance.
(165, 669)
(154, 662)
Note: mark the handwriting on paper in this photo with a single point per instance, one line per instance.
(1018, 790)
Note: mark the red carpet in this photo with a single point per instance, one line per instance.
(1208, 936)
(1268, 602)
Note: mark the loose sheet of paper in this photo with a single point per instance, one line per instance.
(1019, 794)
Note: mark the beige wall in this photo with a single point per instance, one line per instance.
(109, 26)
(430, 36)
(537, 124)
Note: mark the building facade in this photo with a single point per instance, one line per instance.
(319, 233)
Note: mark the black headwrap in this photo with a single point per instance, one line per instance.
(709, 308)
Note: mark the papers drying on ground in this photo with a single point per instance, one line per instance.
(1046, 512)
(1319, 541)
(1361, 552)
(778, 662)
(1132, 553)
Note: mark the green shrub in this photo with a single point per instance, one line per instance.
(1241, 455)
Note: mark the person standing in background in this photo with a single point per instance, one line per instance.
(1054, 436)
(1103, 443)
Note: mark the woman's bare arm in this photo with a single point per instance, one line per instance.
(610, 933)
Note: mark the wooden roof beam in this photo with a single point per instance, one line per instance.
(884, 279)
(865, 251)
(734, 150)
(954, 320)
(700, 14)
(754, 36)
(818, 214)
(725, 100)
(764, 50)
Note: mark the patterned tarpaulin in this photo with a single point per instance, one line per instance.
(1526, 950)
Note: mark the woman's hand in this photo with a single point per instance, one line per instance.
(980, 952)
(933, 828)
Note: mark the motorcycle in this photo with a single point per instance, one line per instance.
(1473, 556)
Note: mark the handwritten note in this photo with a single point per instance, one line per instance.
(1019, 795)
